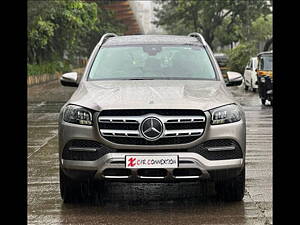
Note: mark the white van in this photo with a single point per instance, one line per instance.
(250, 77)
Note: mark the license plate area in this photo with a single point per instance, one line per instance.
(151, 161)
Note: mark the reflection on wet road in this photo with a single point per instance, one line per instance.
(171, 203)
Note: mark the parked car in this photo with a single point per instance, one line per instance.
(250, 75)
(265, 76)
(151, 108)
(222, 60)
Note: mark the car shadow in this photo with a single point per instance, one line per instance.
(194, 200)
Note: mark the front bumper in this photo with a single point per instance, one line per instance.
(187, 160)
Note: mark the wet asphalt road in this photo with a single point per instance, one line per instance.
(179, 203)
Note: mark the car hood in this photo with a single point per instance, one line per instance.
(151, 94)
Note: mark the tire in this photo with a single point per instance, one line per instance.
(233, 189)
(73, 191)
(69, 189)
(263, 101)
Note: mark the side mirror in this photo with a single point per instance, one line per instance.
(234, 79)
(69, 79)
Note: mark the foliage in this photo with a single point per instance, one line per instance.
(48, 68)
(58, 27)
(206, 17)
(261, 29)
(239, 56)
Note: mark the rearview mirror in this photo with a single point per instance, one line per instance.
(69, 79)
(234, 79)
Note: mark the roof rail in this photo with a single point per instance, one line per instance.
(198, 36)
(105, 37)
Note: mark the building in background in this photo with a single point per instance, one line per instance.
(136, 15)
(125, 15)
(144, 14)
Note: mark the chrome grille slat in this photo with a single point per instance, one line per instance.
(186, 132)
(139, 119)
(116, 133)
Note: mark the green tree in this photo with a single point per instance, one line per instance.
(207, 17)
(239, 56)
(261, 29)
(59, 26)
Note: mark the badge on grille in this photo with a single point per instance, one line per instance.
(151, 128)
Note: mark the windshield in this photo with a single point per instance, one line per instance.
(152, 62)
(266, 62)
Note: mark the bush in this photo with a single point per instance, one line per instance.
(239, 56)
(48, 68)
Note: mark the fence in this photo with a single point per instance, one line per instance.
(38, 79)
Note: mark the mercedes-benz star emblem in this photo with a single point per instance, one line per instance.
(151, 128)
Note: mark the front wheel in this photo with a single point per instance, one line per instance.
(233, 189)
(69, 189)
(73, 191)
(263, 101)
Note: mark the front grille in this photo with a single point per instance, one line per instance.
(123, 126)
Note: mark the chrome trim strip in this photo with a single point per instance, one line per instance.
(116, 177)
(82, 149)
(145, 177)
(222, 148)
(186, 177)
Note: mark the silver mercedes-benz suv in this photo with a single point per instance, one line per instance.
(151, 108)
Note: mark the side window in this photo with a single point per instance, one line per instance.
(250, 64)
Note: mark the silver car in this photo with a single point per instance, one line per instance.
(151, 108)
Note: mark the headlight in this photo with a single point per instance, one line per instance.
(225, 114)
(77, 114)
